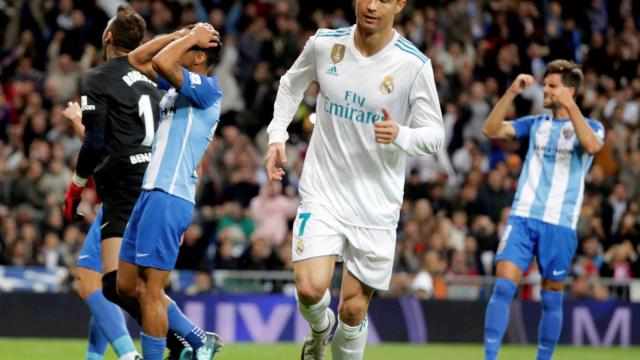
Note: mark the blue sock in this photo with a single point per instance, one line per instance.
(497, 316)
(179, 323)
(550, 324)
(152, 347)
(97, 341)
(111, 321)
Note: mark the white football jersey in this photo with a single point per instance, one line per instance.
(345, 169)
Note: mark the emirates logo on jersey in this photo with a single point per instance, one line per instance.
(387, 85)
(337, 53)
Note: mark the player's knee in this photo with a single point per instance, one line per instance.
(504, 289)
(149, 295)
(309, 294)
(82, 288)
(352, 311)
(550, 285)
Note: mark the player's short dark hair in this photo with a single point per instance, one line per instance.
(570, 72)
(127, 28)
(212, 53)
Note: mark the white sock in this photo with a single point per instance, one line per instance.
(349, 341)
(129, 356)
(316, 314)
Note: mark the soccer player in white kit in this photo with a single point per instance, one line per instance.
(377, 104)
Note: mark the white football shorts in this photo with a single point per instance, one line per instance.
(368, 253)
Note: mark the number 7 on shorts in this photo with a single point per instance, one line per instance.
(304, 217)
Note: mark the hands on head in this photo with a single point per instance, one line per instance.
(205, 35)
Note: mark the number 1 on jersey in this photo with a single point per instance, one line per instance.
(304, 217)
(146, 113)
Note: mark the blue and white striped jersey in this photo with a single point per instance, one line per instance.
(189, 118)
(551, 185)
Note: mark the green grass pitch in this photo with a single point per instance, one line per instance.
(57, 349)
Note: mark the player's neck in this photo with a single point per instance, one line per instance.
(113, 52)
(369, 44)
(560, 113)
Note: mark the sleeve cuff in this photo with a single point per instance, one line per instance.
(278, 136)
(78, 180)
(403, 139)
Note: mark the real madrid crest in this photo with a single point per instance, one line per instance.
(387, 85)
(337, 53)
(299, 246)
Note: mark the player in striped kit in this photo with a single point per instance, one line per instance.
(377, 105)
(547, 204)
(190, 114)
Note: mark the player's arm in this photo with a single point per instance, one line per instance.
(167, 62)
(141, 57)
(290, 93)
(426, 134)
(495, 127)
(585, 133)
(94, 117)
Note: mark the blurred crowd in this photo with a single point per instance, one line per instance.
(456, 203)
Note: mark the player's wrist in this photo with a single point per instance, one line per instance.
(403, 137)
(78, 181)
(278, 136)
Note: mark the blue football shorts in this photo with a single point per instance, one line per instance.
(554, 246)
(91, 253)
(152, 236)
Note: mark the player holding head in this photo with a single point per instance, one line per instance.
(104, 105)
(377, 104)
(546, 206)
(190, 113)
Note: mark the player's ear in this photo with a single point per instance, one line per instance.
(400, 5)
(108, 37)
(200, 58)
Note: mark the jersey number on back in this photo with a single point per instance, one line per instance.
(146, 113)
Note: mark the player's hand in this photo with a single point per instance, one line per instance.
(386, 130)
(564, 97)
(71, 201)
(73, 112)
(205, 36)
(521, 82)
(276, 156)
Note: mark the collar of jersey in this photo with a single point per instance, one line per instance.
(360, 57)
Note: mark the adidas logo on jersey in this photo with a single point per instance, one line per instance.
(333, 70)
